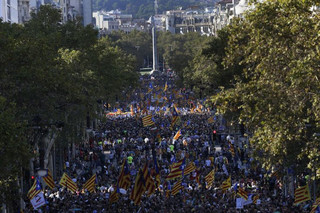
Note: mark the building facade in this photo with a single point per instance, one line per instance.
(9, 11)
(205, 22)
(107, 22)
(73, 9)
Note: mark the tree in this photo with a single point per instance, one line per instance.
(206, 72)
(179, 50)
(135, 43)
(277, 94)
(58, 74)
(14, 151)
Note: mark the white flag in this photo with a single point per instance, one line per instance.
(38, 200)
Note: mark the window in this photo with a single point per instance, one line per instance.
(8, 12)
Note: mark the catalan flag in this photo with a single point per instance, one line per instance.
(189, 168)
(150, 186)
(67, 182)
(167, 192)
(48, 179)
(199, 109)
(119, 111)
(255, 198)
(193, 108)
(145, 111)
(131, 110)
(165, 87)
(175, 116)
(147, 121)
(210, 120)
(226, 184)
(315, 206)
(177, 135)
(209, 179)
(90, 184)
(124, 177)
(232, 149)
(301, 194)
(156, 169)
(195, 176)
(177, 187)
(35, 189)
(276, 174)
(138, 189)
(212, 160)
(114, 196)
(242, 193)
(176, 170)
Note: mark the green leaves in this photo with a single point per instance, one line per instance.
(277, 90)
(56, 73)
(14, 150)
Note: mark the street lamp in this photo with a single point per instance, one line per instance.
(42, 172)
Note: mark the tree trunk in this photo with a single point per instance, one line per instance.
(49, 141)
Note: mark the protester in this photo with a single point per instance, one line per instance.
(124, 138)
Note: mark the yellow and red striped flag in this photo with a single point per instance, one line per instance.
(302, 194)
(175, 171)
(67, 182)
(189, 168)
(149, 182)
(177, 135)
(276, 174)
(209, 179)
(210, 120)
(114, 196)
(138, 189)
(48, 179)
(124, 177)
(33, 191)
(231, 148)
(147, 121)
(255, 198)
(226, 184)
(90, 184)
(315, 206)
(177, 187)
(242, 193)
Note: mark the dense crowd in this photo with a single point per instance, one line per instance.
(125, 138)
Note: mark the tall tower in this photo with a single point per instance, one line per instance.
(154, 39)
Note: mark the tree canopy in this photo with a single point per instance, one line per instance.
(277, 93)
(53, 74)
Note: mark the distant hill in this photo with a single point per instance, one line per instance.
(145, 8)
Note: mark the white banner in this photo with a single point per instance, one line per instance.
(38, 201)
(249, 201)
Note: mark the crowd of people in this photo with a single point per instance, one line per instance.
(125, 138)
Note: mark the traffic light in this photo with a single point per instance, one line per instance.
(32, 177)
